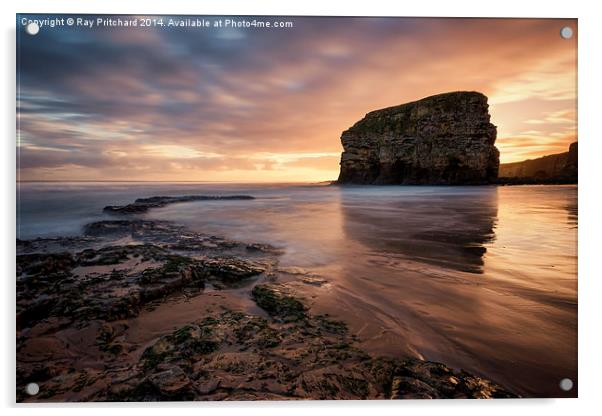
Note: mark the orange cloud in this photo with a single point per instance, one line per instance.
(270, 106)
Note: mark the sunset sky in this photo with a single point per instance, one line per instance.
(256, 105)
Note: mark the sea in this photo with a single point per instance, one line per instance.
(481, 278)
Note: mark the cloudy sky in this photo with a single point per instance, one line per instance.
(254, 105)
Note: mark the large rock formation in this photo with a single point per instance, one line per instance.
(445, 139)
(557, 168)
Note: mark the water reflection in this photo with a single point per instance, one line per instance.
(446, 227)
(572, 210)
(411, 286)
(480, 278)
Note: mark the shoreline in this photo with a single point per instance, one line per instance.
(121, 270)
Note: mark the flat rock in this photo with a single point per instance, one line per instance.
(141, 205)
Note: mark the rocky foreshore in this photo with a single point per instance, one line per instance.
(142, 205)
(140, 310)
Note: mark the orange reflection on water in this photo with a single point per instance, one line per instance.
(480, 278)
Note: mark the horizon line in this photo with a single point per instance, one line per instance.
(161, 181)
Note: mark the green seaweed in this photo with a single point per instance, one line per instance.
(278, 304)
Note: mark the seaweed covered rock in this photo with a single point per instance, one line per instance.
(445, 139)
(163, 233)
(236, 356)
(278, 302)
(114, 282)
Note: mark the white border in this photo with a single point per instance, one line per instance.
(590, 68)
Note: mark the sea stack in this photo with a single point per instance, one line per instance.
(445, 139)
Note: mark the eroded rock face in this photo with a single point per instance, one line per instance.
(445, 139)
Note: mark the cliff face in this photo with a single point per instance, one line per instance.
(558, 167)
(443, 139)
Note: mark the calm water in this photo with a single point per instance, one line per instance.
(480, 278)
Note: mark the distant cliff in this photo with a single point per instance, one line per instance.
(442, 139)
(557, 168)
